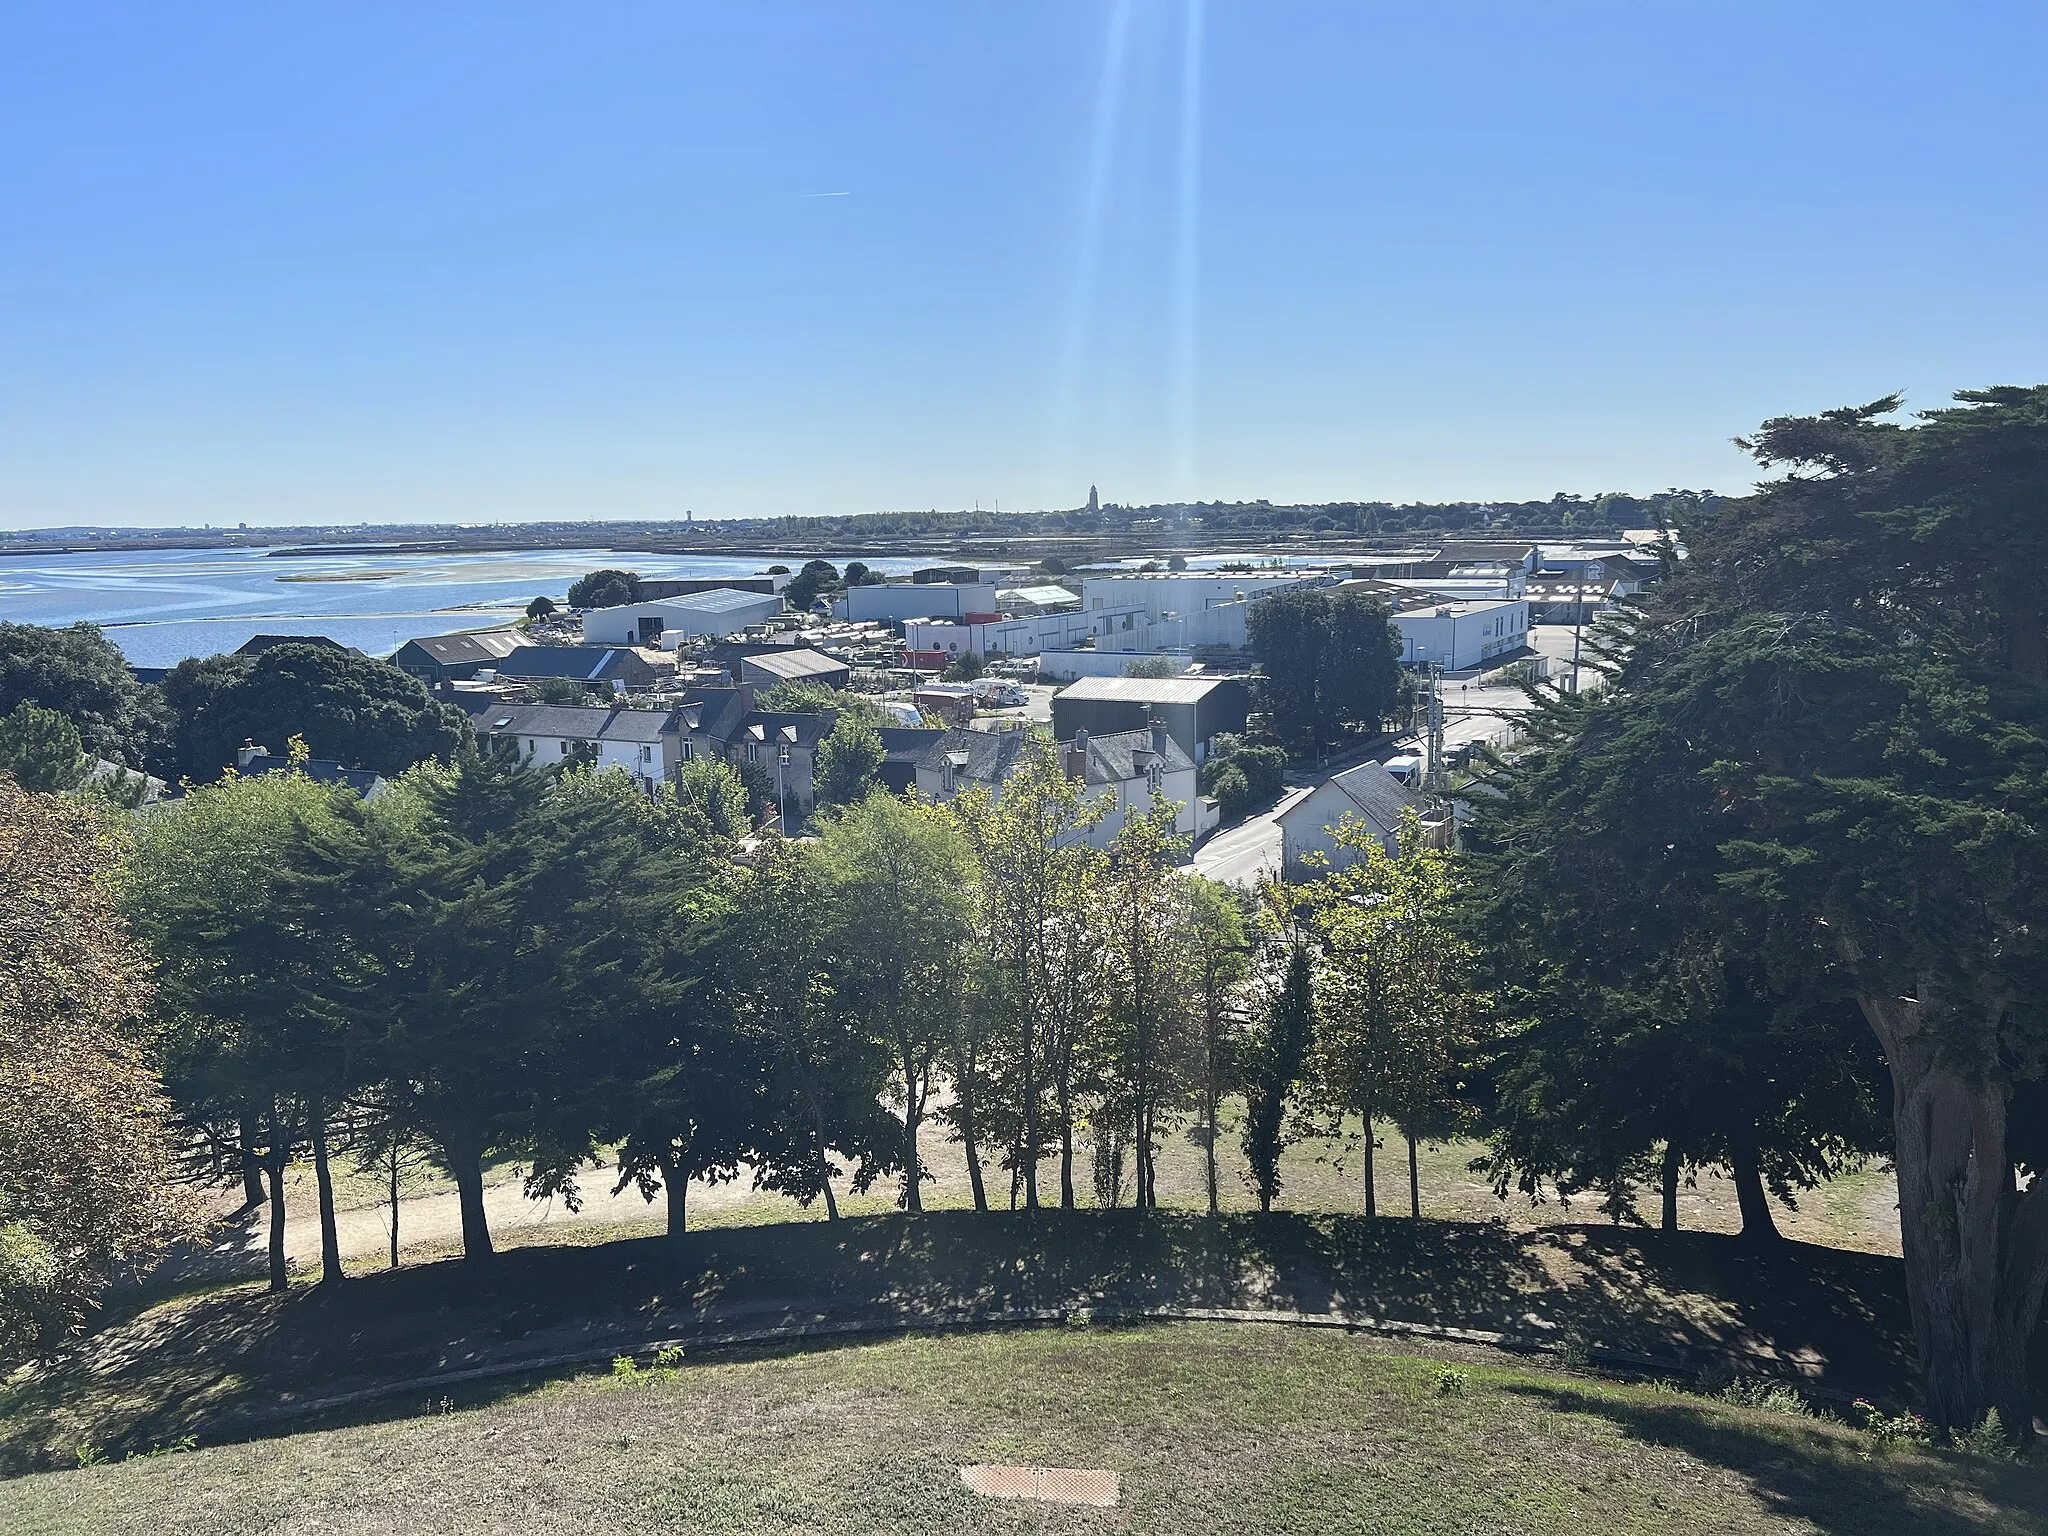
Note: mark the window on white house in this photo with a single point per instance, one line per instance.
(647, 754)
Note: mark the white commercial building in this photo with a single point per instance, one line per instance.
(1023, 636)
(904, 600)
(1458, 636)
(1164, 593)
(720, 612)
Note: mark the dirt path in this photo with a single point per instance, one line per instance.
(436, 1219)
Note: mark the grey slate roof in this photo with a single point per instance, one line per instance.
(591, 663)
(321, 770)
(719, 711)
(990, 754)
(810, 729)
(1125, 755)
(1373, 792)
(480, 645)
(574, 722)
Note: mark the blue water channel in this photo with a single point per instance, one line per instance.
(161, 606)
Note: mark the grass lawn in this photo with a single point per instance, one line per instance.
(236, 1361)
(1224, 1429)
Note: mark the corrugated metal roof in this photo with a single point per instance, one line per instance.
(1042, 597)
(1146, 690)
(796, 662)
(718, 600)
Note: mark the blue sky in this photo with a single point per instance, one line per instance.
(385, 262)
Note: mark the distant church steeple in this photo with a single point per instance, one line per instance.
(1094, 501)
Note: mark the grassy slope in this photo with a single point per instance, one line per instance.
(1214, 1429)
(221, 1363)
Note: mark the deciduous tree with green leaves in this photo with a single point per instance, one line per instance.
(898, 877)
(1393, 983)
(1035, 875)
(1329, 664)
(850, 760)
(88, 1156)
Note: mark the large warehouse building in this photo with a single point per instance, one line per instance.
(1195, 710)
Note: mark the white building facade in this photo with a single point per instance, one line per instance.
(1459, 636)
(663, 623)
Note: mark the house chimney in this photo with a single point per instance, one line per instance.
(248, 752)
(1158, 737)
(1077, 756)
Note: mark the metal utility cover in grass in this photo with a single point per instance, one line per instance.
(1048, 1485)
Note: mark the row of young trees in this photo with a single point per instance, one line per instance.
(498, 964)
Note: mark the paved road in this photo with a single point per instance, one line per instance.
(1240, 855)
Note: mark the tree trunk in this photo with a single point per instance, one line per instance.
(968, 1140)
(1976, 1248)
(1673, 1159)
(831, 1200)
(468, 1169)
(1372, 1198)
(323, 1182)
(394, 1202)
(1758, 1225)
(1029, 1161)
(273, 1163)
(675, 1187)
(1209, 1152)
(252, 1164)
(1067, 1201)
(1414, 1181)
(913, 1171)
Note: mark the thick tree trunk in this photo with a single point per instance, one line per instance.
(468, 1170)
(1976, 1248)
(323, 1181)
(1414, 1181)
(913, 1118)
(1758, 1225)
(675, 1187)
(252, 1163)
(1673, 1160)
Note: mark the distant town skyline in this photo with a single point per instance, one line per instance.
(333, 266)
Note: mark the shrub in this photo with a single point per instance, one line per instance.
(1448, 1381)
(1768, 1396)
(1988, 1440)
(1893, 1428)
(1233, 791)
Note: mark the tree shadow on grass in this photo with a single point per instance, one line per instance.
(1821, 1474)
(242, 1363)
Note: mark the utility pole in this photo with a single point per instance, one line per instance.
(1436, 777)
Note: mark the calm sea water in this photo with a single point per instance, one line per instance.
(164, 605)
